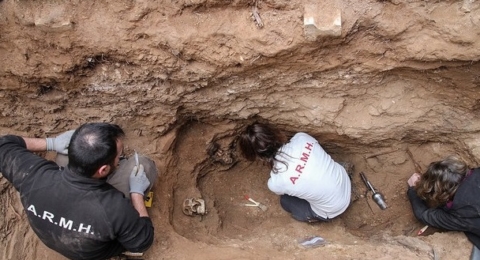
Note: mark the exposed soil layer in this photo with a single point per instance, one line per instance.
(183, 78)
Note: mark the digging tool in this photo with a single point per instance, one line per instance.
(419, 170)
(132, 255)
(136, 160)
(420, 232)
(255, 204)
(376, 196)
(417, 166)
(149, 197)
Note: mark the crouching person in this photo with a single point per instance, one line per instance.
(446, 196)
(312, 186)
(73, 209)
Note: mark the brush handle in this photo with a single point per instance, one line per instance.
(422, 230)
(250, 199)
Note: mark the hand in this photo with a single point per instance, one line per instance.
(60, 143)
(413, 179)
(138, 180)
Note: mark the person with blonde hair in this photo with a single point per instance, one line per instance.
(312, 186)
(447, 196)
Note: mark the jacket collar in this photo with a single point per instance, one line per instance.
(82, 181)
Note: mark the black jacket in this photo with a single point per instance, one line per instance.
(464, 214)
(79, 217)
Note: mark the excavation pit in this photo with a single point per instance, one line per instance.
(224, 185)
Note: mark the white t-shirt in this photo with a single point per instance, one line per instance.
(312, 175)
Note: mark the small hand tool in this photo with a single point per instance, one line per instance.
(149, 197)
(420, 232)
(136, 161)
(377, 196)
(132, 256)
(419, 170)
(255, 204)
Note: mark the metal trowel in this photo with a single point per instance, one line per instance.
(377, 196)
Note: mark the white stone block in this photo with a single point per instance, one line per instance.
(322, 20)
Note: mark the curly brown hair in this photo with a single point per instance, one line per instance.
(440, 182)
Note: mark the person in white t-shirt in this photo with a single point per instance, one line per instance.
(312, 186)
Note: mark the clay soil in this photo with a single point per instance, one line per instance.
(231, 230)
(230, 223)
(183, 78)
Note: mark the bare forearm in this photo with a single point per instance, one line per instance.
(139, 204)
(35, 144)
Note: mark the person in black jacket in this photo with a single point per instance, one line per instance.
(446, 197)
(73, 209)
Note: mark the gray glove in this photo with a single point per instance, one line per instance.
(60, 143)
(138, 180)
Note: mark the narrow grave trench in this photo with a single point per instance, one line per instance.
(222, 178)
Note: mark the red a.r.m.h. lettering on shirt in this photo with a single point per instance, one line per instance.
(309, 146)
(304, 158)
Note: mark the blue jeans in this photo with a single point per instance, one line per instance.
(475, 255)
(300, 209)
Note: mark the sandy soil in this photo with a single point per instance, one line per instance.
(232, 231)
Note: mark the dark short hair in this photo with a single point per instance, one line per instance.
(93, 145)
(440, 181)
(262, 141)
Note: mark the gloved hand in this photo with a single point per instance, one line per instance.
(138, 180)
(60, 143)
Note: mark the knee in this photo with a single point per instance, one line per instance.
(284, 203)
